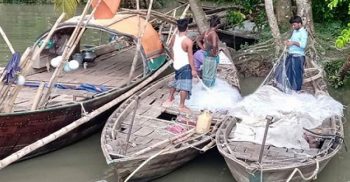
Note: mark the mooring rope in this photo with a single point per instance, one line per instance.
(275, 65)
(313, 176)
(83, 110)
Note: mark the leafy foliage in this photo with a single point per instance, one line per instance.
(332, 71)
(67, 6)
(235, 17)
(251, 9)
(326, 14)
(344, 37)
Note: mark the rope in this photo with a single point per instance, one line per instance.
(83, 111)
(274, 66)
(313, 176)
(144, 163)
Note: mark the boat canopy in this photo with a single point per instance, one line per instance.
(128, 24)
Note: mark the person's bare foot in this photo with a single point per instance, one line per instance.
(185, 109)
(168, 103)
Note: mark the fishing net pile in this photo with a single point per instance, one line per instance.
(219, 98)
(291, 111)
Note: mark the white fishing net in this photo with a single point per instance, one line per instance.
(291, 113)
(221, 97)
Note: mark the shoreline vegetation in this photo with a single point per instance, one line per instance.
(251, 60)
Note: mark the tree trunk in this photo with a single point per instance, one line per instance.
(283, 10)
(304, 10)
(344, 69)
(199, 15)
(273, 25)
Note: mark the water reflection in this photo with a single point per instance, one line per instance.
(22, 25)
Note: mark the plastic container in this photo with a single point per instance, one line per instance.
(203, 122)
(78, 57)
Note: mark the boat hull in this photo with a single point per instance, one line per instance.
(21, 129)
(242, 174)
(157, 167)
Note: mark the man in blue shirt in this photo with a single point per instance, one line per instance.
(296, 53)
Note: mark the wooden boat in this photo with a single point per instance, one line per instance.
(139, 131)
(110, 48)
(249, 161)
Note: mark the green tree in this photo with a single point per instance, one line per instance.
(342, 40)
(344, 37)
(67, 6)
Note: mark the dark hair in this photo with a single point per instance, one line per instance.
(214, 21)
(182, 24)
(295, 19)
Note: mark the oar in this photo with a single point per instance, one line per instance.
(7, 40)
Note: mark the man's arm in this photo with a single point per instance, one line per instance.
(189, 50)
(215, 44)
(171, 44)
(199, 41)
(302, 42)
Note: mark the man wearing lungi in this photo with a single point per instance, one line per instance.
(209, 42)
(296, 53)
(183, 64)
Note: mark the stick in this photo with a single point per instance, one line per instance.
(29, 148)
(163, 142)
(131, 125)
(7, 40)
(37, 96)
(154, 14)
(185, 4)
(144, 163)
(200, 80)
(27, 64)
(141, 32)
(171, 29)
(74, 39)
(269, 119)
(181, 17)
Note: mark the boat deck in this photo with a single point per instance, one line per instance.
(152, 122)
(249, 152)
(111, 70)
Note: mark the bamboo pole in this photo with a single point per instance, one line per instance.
(144, 163)
(73, 41)
(188, 132)
(7, 40)
(140, 35)
(268, 122)
(132, 124)
(183, 15)
(37, 96)
(166, 13)
(154, 14)
(30, 148)
(5, 88)
(27, 62)
(171, 29)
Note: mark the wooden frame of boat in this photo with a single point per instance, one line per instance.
(137, 133)
(282, 164)
(25, 126)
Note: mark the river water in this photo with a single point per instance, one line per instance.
(83, 161)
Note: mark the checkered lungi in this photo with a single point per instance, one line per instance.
(183, 79)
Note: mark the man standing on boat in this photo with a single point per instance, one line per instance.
(183, 64)
(296, 53)
(209, 42)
